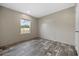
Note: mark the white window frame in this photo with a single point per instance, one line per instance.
(30, 26)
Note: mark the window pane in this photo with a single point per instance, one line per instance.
(25, 26)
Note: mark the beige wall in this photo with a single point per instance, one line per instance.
(77, 29)
(0, 25)
(59, 26)
(9, 23)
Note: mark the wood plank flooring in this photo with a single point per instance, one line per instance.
(40, 47)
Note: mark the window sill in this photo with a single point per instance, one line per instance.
(24, 33)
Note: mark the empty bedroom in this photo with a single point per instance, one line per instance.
(39, 29)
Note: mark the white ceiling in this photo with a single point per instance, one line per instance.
(37, 9)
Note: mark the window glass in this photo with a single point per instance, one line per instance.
(25, 26)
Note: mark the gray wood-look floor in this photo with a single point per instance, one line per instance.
(40, 47)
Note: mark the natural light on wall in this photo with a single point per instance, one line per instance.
(25, 26)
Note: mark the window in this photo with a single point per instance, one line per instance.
(25, 26)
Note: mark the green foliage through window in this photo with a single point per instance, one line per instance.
(25, 26)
